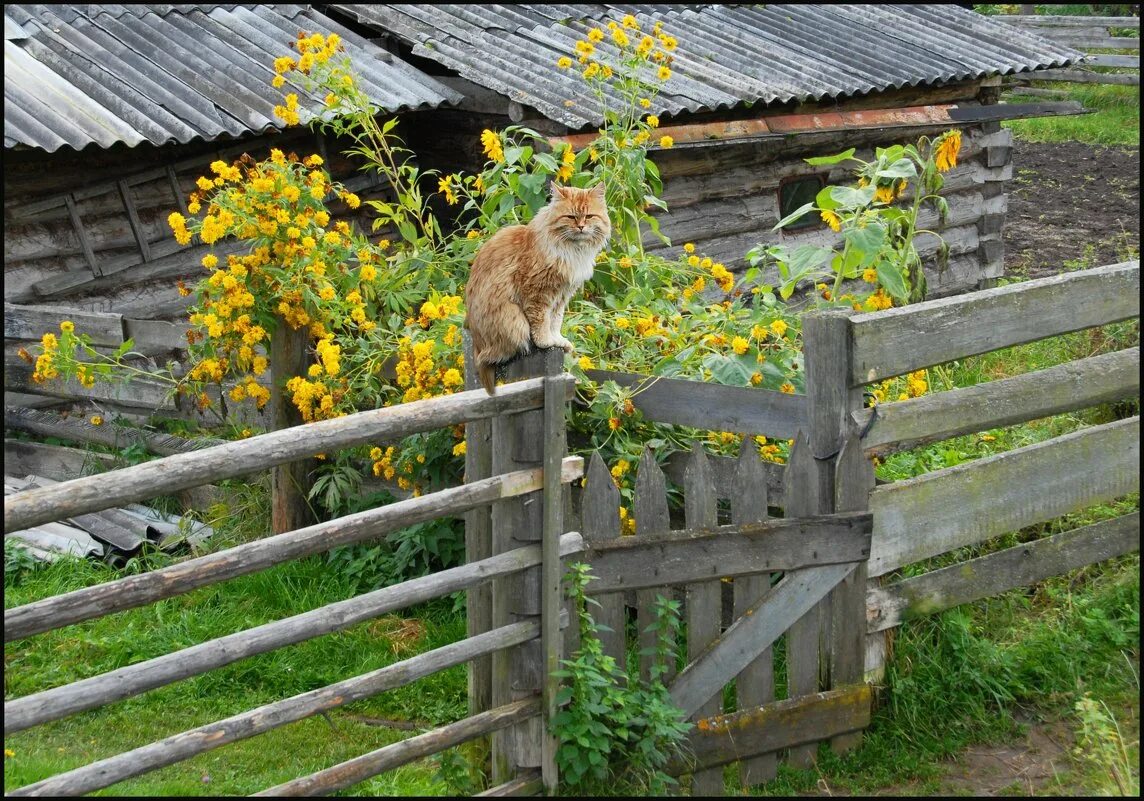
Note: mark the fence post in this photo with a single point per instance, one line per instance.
(289, 483)
(518, 443)
(830, 398)
(478, 541)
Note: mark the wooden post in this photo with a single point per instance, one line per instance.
(844, 484)
(755, 686)
(289, 483)
(517, 673)
(704, 599)
(478, 540)
(551, 592)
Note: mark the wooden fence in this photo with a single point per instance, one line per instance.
(817, 585)
(1088, 34)
(524, 635)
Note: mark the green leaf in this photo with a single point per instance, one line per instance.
(891, 278)
(835, 159)
(794, 215)
(902, 168)
(869, 239)
(546, 161)
(847, 197)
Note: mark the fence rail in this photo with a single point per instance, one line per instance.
(186, 470)
(1086, 33)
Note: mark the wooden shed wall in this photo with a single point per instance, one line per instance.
(725, 199)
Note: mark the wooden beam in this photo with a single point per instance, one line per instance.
(969, 503)
(32, 322)
(139, 590)
(679, 557)
(783, 724)
(78, 429)
(712, 407)
(183, 746)
(32, 710)
(752, 633)
(261, 452)
(81, 234)
(903, 425)
(1019, 566)
(133, 219)
(354, 771)
(936, 331)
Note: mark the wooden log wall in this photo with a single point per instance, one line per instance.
(89, 231)
(725, 199)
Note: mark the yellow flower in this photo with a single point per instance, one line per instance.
(585, 363)
(96, 420)
(67, 326)
(210, 261)
(739, 345)
(585, 48)
(459, 449)
(664, 72)
(756, 379)
(666, 141)
(492, 145)
(884, 194)
(688, 247)
(831, 219)
(564, 62)
(595, 35)
(779, 327)
(946, 156)
(630, 22)
(620, 38)
(645, 102)
(653, 120)
(623, 323)
(445, 186)
(283, 64)
(787, 388)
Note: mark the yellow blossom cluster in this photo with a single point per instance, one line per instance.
(947, 149)
(493, 148)
(627, 522)
(446, 306)
(315, 400)
(45, 366)
(632, 44)
(429, 368)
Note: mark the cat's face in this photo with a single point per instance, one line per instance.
(579, 216)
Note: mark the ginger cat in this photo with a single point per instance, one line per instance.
(523, 277)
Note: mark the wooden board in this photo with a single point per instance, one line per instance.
(32, 322)
(1019, 566)
(752, 633)
(896, 341)
(966, 504)
(652, 521)
(679, 557)
(1065, 387)
(712, 407)
(600, 524)
(782, 724)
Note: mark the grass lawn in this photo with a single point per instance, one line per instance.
(1116, 121)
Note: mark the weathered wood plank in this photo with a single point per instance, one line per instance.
(551, 569)
(704, 605)
(134, 591)
(354, 771)
(652, 520)
(1080, 76)
(290, 481)
(854, 479)
(1066, 21)
(969, 503)
(1065, 387)
(182, 746)
(32, 322)
(760, 626)
(125, 193)
(936, 330)
(743, 549)
(31, 710)
(782, 724)
(803, 636)
(712, 407)
(81, 235)
(1104, 60)
(57, 462)
(600, 524)
(78, 429)
(186, 470)
(478, 540)
(755, 685)
(527, 783)
(1019, 566)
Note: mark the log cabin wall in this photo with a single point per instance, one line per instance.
(725, 199)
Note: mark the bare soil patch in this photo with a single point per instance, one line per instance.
(1071, 202)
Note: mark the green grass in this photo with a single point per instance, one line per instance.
(1116, 121)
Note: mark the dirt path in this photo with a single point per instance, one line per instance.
(1068, 202)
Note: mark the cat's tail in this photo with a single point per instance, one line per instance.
(488, 376)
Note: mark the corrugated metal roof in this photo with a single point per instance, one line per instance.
(82, 74)
(727, 55)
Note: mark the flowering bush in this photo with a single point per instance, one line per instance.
(383, 317)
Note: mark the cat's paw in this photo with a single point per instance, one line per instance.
(561, 342)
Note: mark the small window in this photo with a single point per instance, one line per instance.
(796, 192)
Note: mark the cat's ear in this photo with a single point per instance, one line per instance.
(559, 192)
(597, 191)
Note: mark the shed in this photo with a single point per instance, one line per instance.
(111, 113)
(754, 90)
